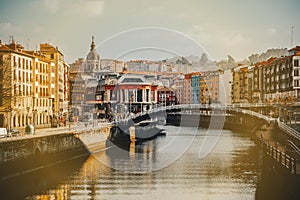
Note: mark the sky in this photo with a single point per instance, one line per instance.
(143, 29)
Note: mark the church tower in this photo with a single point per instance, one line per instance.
(92, 63)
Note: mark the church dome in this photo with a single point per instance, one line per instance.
(93, 55)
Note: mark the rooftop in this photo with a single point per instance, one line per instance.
(132, 79)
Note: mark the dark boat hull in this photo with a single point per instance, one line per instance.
(120, 134)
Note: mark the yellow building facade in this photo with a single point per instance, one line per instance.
(29, 87)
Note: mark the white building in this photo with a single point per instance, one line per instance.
(225, 87)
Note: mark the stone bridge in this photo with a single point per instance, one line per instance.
(241, 114)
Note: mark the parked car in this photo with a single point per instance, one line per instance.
(3, 132)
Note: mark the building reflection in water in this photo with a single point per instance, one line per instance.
(233, 170)
(44, 179)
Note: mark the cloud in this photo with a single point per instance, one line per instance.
(89, 8)
(235, 39)
(52, 6)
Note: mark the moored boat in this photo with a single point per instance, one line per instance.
(135, 132)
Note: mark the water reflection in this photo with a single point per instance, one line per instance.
(233, 170)
(19, 187)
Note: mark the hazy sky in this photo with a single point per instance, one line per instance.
(221, 27)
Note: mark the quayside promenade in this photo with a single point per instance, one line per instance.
(70, 128)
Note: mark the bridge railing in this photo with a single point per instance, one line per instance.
(294, 146)
(162, 108)
(233, 107)
(289, 130)
(252, 113)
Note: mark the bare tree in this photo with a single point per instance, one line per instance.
(6, 88)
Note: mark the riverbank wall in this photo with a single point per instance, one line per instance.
(22, 155)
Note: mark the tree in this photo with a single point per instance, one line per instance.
(6, 88)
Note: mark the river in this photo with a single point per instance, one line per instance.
(170, 167)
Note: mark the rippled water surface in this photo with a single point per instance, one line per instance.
(233, 170)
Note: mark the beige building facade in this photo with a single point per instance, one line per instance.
(32, 85)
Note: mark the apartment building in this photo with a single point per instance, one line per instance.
(187, 89)
(195, 85)
(29, 86)
(178, 87)
(210, 87)
(59, 79)
(276, 80)
(242, 84)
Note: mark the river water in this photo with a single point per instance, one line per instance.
(234, 169)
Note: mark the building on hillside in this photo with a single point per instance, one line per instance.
(112, 65)
(137, 65)
(77, 66)
(149, 66)
(167, 79)
(151, 78)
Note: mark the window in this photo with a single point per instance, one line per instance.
(139, 95)
(296, 63)
(296, 83)
(296, 72)
(15, 62)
